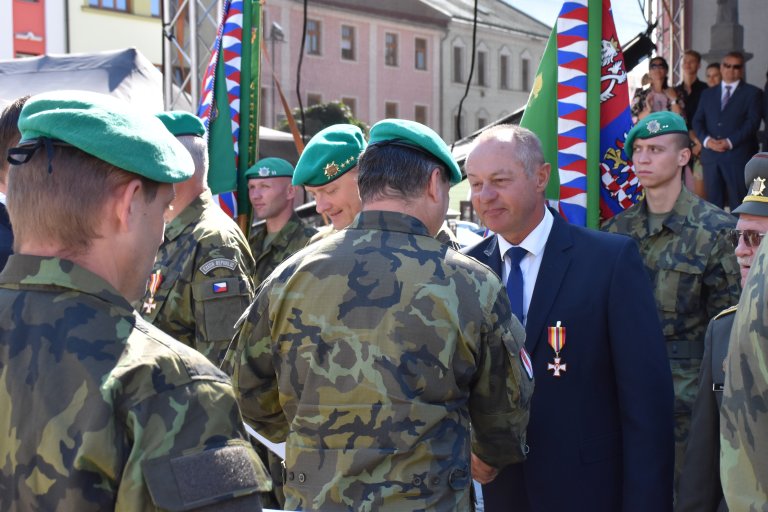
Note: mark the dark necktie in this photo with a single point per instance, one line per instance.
(515, 281)
(727, 96)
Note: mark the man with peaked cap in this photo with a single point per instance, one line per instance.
(700, 488)
(327, 169)
(101, 410)
(743, 413)
(684, 244)
(281, 233)
(201, 281)
(371, 350)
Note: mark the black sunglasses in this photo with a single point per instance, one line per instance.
(657, 66)
(732, 66)
(752, 238)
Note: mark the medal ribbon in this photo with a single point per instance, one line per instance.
(154, 282)
(556, 338)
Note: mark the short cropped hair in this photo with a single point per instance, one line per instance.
(527, 144)
(198, 149)
(694, 54)
(65, 205)
(395, 172)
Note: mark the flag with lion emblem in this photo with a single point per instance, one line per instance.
(579, 108)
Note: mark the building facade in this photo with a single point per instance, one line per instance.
(32, 27)
(508, 47)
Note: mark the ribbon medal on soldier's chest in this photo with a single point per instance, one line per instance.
(152, 286)
(556, 340)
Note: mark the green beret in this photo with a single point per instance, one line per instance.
(653, 125)
(416, 136)
(270, 168)
(181, 123)
(108, 129)
(755, 175)
(331, 152)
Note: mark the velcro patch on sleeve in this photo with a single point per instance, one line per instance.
(230, 476)
(217, 263)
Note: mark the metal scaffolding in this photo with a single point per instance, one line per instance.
(189, 33)
(670, 37)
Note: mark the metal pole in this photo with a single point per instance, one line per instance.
(193, 56)
(167, 65)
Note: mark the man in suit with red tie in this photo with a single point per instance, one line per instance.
(726, 123)
(600, 432)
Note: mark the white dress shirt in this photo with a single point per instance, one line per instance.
(534, 243)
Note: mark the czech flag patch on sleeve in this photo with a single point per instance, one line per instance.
(220, 287)
(525, 360)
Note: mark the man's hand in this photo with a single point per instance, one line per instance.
(481, 471)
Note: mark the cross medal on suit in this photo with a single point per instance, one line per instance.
(556, 340)
(152, 285)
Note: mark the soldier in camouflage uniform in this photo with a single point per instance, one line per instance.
(281, 233)
(327, 169)
(101, 410)
(700, 488)
(373, 349)
(684, 244)
(201, 281)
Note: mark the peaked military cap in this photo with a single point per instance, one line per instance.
(755, 175)
(654, 125)
(180, 123)
(329, 154)
(410, 134)
(270, 168)
(104, 127)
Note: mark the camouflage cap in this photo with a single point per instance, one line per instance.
(106, 128)
(270, 168)
(416, 136)
(654, 125)
(755, 175)
(179, 123)
(331, 152)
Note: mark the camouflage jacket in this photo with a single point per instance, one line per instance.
(371, 351)
(204, 284)
(743, 413)
(101, 410)
(293, 237)
(689, 260)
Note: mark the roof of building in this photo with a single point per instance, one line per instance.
(399, 10)
(492, 13)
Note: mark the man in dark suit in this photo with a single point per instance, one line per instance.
(600, 432)
(726, 123)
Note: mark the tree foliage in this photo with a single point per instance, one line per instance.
(322, 116)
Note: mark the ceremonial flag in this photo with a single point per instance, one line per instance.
(579, 108)
(230, 103)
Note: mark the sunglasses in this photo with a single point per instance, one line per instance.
(752, 238)
(657, 66)
(732, 66)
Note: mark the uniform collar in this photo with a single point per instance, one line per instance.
(188, 215)
(33, 271)
(389, 221)
(281, 237)
(676, 218)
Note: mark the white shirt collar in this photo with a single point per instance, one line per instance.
(536, 240)
(733, 86)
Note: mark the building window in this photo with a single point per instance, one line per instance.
(482, 122)
(314, 99)
(503, 72)
(421, 54)
(351, 103)
(347, 42)
(312, 42)
(390, 49)
(458, 64)
(525, 73)
(420, 114)
(115, 5)
(154, 8)
(481, 68)
(390, 109)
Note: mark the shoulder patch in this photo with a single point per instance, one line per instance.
(217, 263)
(725, 312)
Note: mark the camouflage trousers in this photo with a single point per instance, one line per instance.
(685, 378)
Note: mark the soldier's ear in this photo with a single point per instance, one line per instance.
(124, 207)
(290, 193)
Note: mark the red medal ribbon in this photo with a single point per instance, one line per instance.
(556, 338)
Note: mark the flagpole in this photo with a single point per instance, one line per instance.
(594, 64)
